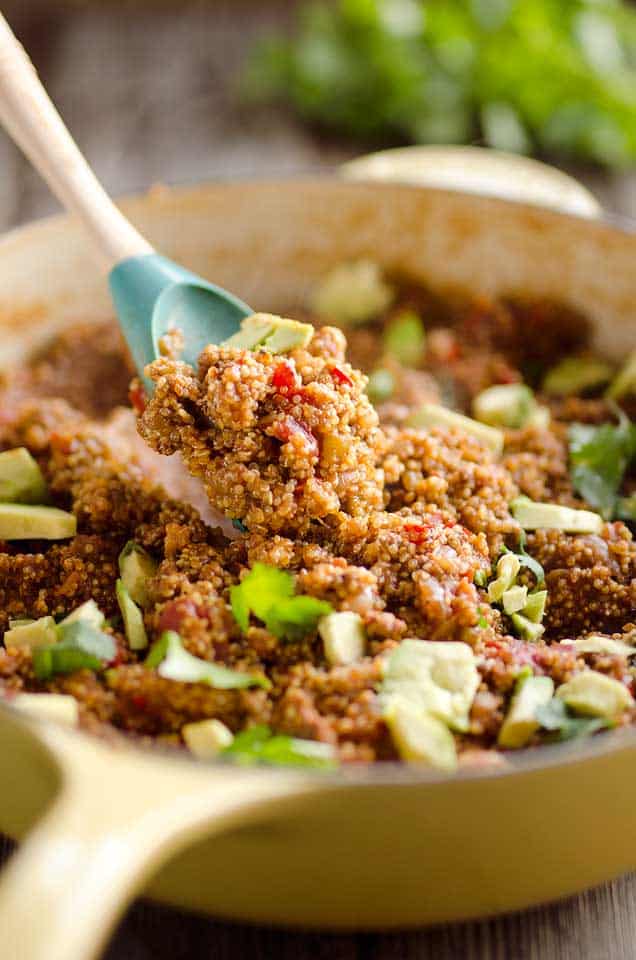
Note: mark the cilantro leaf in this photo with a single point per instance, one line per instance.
(173, 662)
(521, 75)
(259, 745)
(555, 717)
(268, 593)
(599, 457)
(81, 646)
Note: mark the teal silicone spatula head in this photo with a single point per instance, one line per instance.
(153, 295)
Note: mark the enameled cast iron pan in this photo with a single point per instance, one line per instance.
(363, 848)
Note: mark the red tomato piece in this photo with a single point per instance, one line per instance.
(340, 376)
(285, 379)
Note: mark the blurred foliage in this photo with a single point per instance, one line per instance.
(550, 76)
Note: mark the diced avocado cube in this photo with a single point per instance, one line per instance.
(430, 415)
(136, 567)
(526, 629)
(505, 405)
(520, 722)
(405, 338)
(87, 612)
(552, 516)
(206, 738)
(37, 633)
(381, 385)
(595, 695)
(508, 567)
(420, 737)
(51, 707)
(439, 677)
(625, 380)
(132, 617)
(20, 521)
(535, 606)
(266, 331)
(21, 479)
(252, 332)
(514, 599)
(595, 643)
(540, 418)
(575, 375)
(344, 637)
(288, 335)
(352, 294)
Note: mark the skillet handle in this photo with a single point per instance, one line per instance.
(118, 816)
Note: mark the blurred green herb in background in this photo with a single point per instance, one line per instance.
(548, 76)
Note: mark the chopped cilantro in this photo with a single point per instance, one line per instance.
(599, 457)
(81, 646)
(482, 622)
(563, 725)
(259, 745)
(173, 662)
(268, 593)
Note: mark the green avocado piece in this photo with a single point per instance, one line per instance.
(87, 612)
(20, 521)
(265, 331)
(344, 637)
(287, 335)
(253, 331)
(36, 633)
(405, 338)
(625, 380)
(514, 599)
(505, 405)
(508, 566)
(595, 695)
(136, 567)
(535, 606)
(434, 415)
(575, 375)
(553, 516)
(520, 722)
(132, 617)
(420, 737)
(21, 479)
(526, 629)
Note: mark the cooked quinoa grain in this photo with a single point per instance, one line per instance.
(343, 510)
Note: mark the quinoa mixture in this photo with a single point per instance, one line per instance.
(278, 557)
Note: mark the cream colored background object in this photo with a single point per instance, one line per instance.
(367, 849)
(477, 170)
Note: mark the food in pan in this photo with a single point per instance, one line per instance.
(279, 558)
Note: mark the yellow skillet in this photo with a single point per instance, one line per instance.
(359, 849)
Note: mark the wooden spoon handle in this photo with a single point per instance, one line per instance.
(33, 122)
(118, 817)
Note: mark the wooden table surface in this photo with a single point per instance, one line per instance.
(149, 98)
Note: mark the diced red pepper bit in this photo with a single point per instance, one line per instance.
(176, 611)
(288, 427)
(61, 442)
(137, 397)
(416, 532)
(139, 701)
(340, 376)
(284, 378)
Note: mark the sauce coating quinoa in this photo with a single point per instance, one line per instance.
(356, 509)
